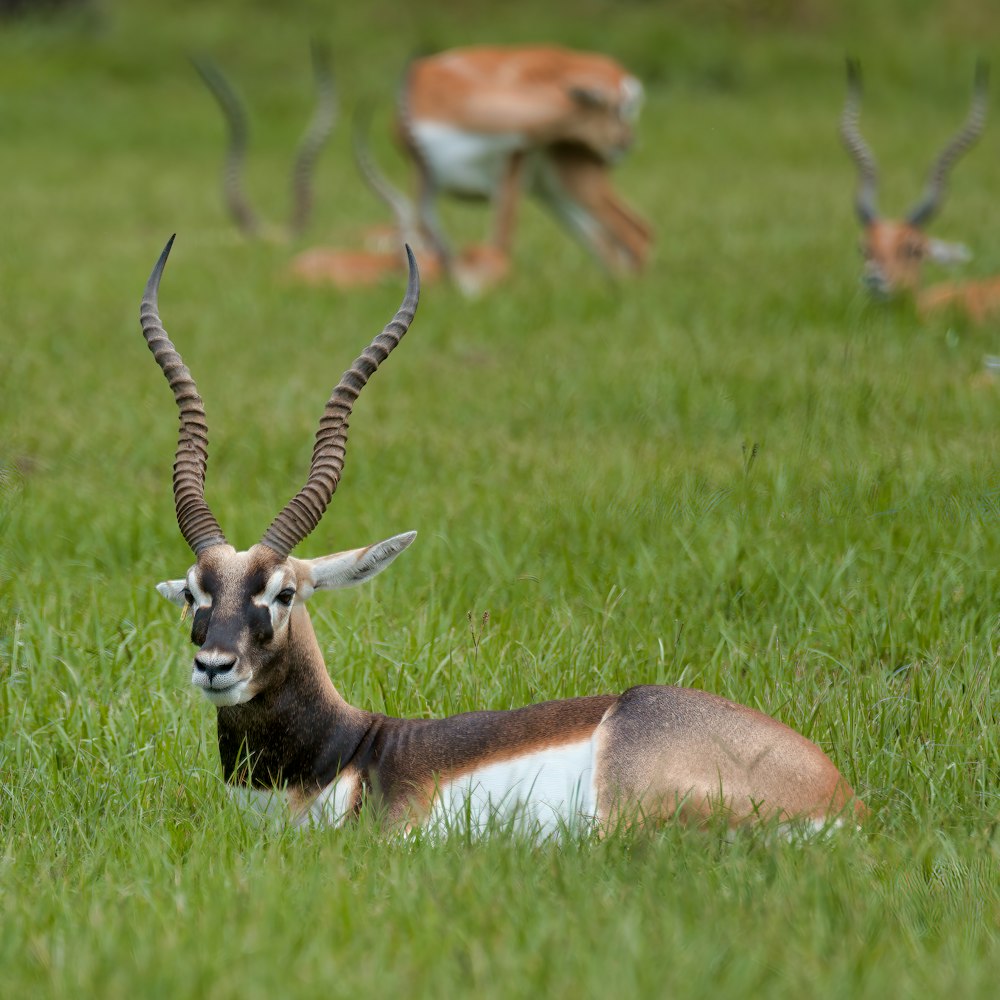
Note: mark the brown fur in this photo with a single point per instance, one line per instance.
(977, 300)
(528, 90)
(477, 267)
(677, 751)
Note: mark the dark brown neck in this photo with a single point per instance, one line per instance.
(299, 730)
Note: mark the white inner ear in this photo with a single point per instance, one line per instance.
(347, 569)
(173, 590)
(942, 252)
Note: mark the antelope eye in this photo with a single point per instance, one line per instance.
(286, 596)
(913, 250)
(189, 597)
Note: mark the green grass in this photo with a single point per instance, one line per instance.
(732, 473)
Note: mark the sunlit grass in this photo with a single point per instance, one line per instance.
(733, 473)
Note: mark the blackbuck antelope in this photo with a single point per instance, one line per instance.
(895, 250)
(491, 122)
(284, 730)
(310, 146)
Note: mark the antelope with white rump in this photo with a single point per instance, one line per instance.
(284, 730)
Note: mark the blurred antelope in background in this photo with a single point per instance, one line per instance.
(489, 123)
(310, 146)
(284, 730)
(895, 250)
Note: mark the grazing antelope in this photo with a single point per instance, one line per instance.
(895, 250)
(310, 146)
(284, 729)
(489, 122)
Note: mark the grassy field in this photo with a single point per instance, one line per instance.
(733, 473)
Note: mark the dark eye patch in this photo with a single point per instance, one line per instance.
(260, 623)
(199, 627)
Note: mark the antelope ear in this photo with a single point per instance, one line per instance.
(173, 591)
(942, 252)
(347, 569)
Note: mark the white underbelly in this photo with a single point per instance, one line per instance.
(541, 794)
(468, 163)
(332, 807)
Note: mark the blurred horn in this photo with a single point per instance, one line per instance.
(403, 210)
(964, 140)
(854, 143)
(236, 150)
(313, 139)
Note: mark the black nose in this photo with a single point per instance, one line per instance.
(214, 663)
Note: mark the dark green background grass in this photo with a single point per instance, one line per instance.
(733, 473)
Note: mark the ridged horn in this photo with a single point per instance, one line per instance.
(964, 140)
(196, 521)
(404, 212)
(303, 512)
(865, 199)
(238, 132)
(313, 139)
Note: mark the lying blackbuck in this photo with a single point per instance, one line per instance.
(304, 164)
(895, 250)
(284, 730)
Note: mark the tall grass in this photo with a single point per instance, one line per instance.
(733, 473)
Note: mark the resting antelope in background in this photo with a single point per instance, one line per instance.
(310, 146)
(284, 729)
(487, 123)
(895, 250)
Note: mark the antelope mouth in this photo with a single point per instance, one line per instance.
(222, 691)
(877, 285)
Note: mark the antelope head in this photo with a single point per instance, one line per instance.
(895, 250)
(604, 110)
(250, 624)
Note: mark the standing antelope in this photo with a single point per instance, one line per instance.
(283, 728)
(895, 250)
(310, 146)
(487, 122)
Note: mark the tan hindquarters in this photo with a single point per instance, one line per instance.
(668, 751)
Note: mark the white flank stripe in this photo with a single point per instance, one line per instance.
(259, 804)
(540, 793)
(468, 162)
(332, 807)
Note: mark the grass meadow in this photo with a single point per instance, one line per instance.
(733, 473)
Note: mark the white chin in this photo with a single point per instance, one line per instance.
(235, 694)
